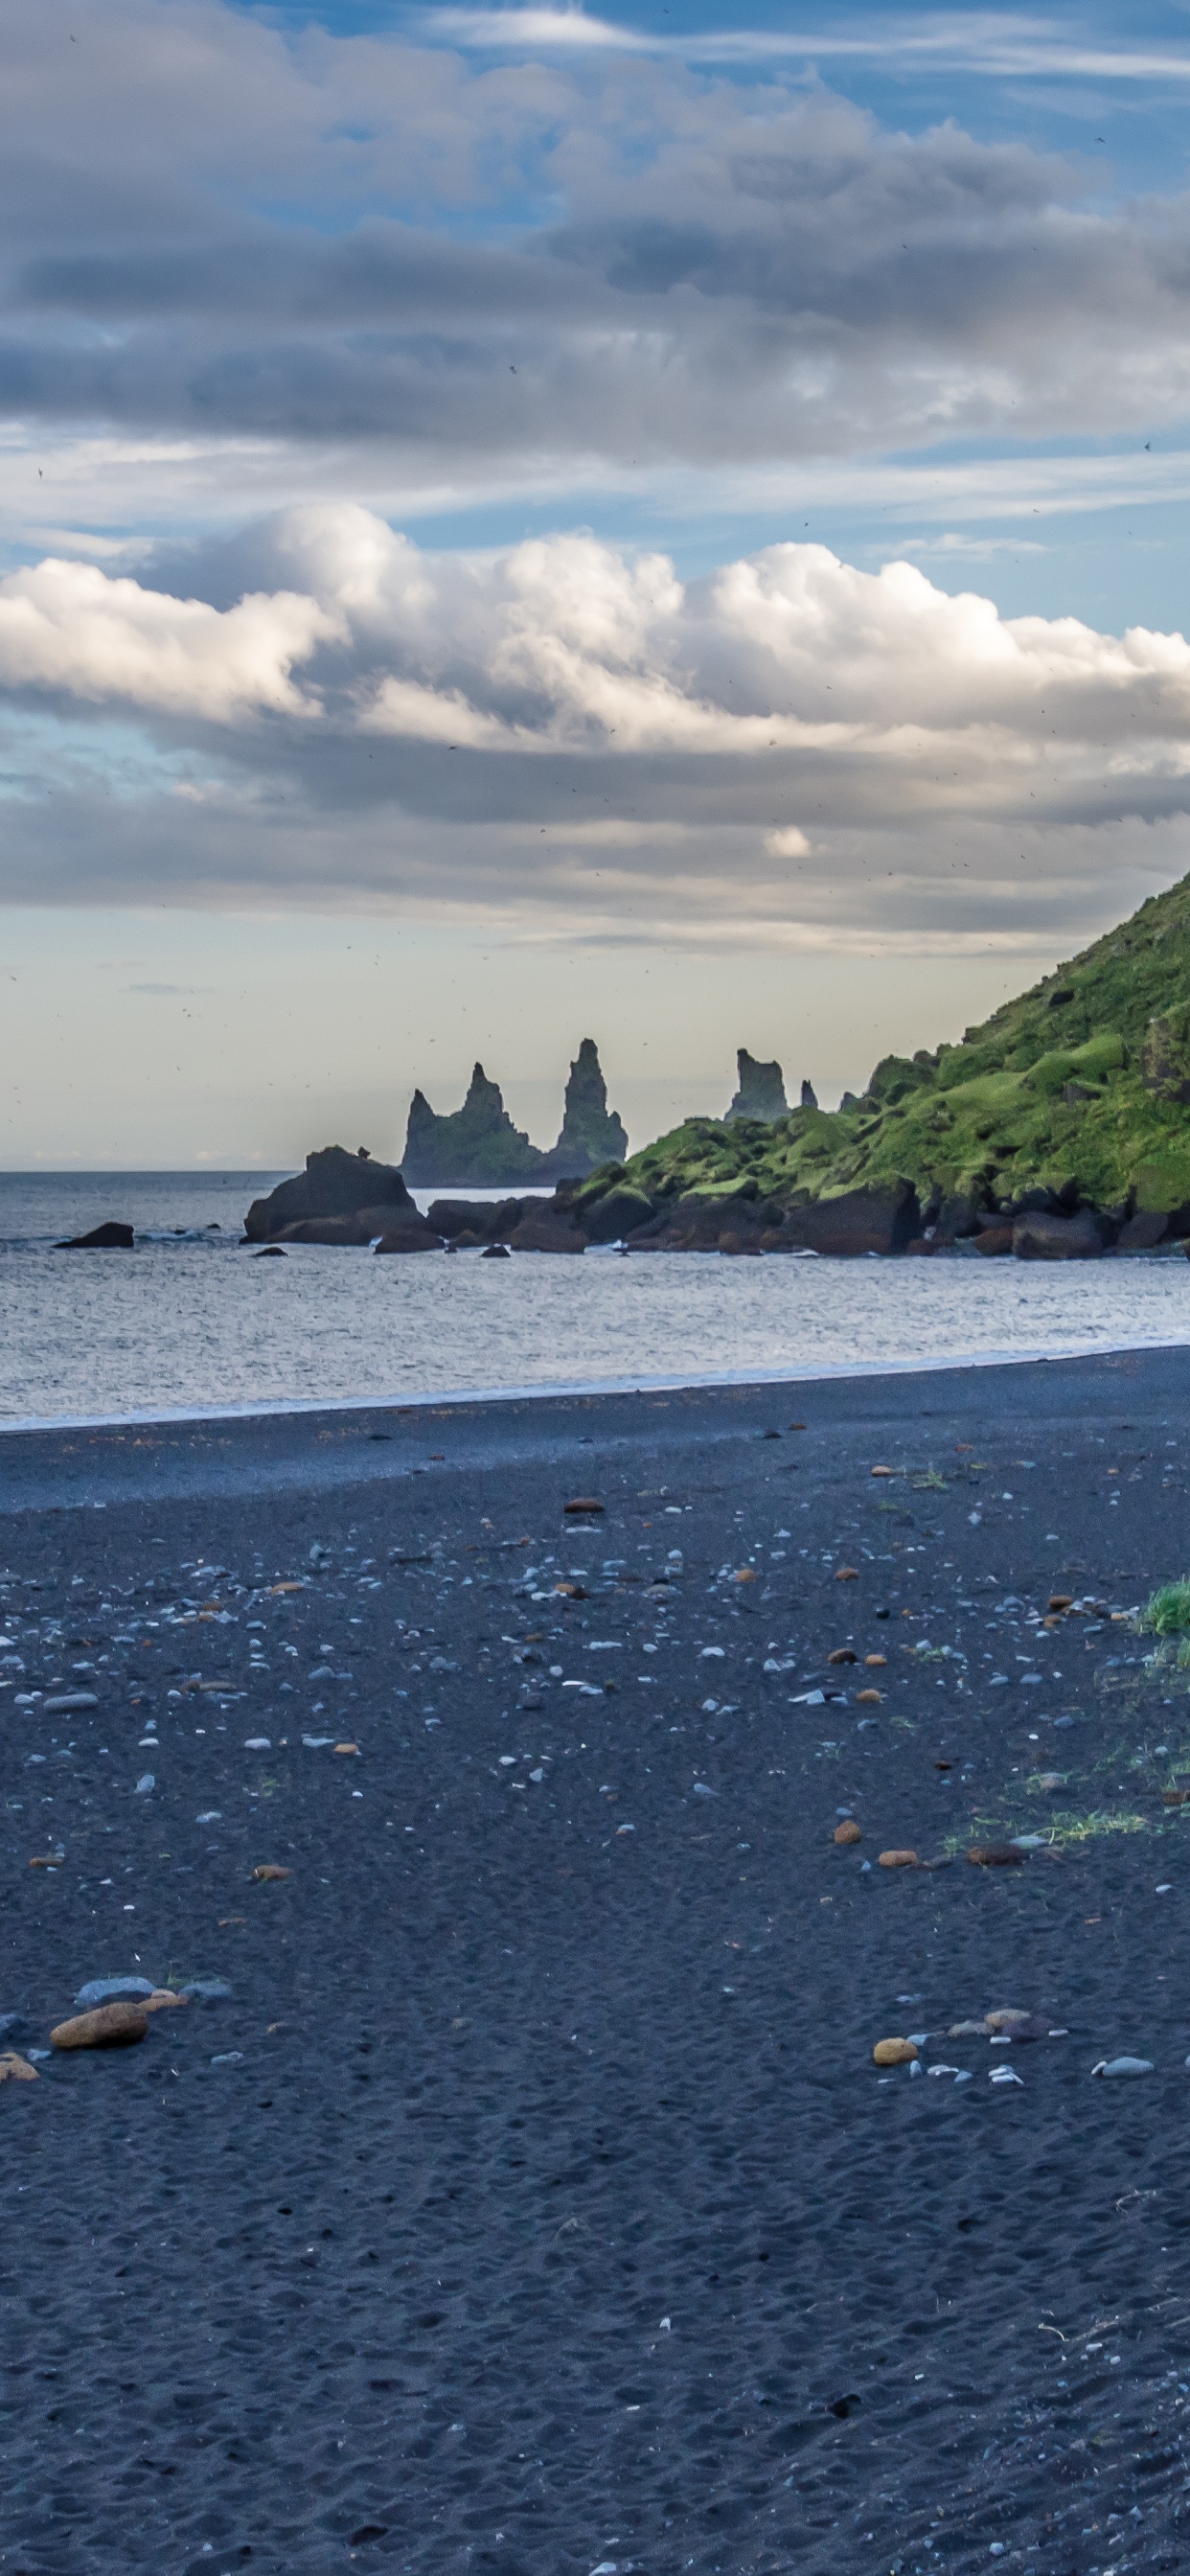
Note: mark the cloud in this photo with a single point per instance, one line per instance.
(568, 740)
(70, 628)
(539, 270)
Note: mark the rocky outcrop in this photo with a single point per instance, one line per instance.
(760, 1090)
(476, 1144)
(111, 1237)
(591, 1132)
(478, 1147)
(857, 1221)
(1041, 1236)
(339, 1198)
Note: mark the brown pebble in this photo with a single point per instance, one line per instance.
(943, 1766)
(347, 1748)
(894, 2052)
(875, 1659)
(1004, 2019)
(583, 1503)
(848, 1831)
(161, 1999)
(847, 1574)
(18, 2067)
(1060, 1601)
(899, 1860)
(842, 1655)
(269, 1869)
(744, 1574)
(49, 1863)
(995, 1856)
(869, 1698)
(884, 1471)
(109, 2026)
(1175, 1797)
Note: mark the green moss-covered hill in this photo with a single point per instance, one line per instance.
(1080, 1088)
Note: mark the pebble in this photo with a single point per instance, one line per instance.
(146, 1782)
(849, 1832)
(162, 1999)
(894, 2052)
(112, 2026)
(269, 1869)
(17, 2067)
(842, 1655)
(1123, 2066)
(63, 1702)
(899, 1860)
(207, 1990)
(582, 1503)
(869, 1699)
(847, 1574)
(104, 1990)
(995, 1856)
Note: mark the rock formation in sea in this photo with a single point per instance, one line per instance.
(341, 1198)
(760, 1090)
(478, 1147)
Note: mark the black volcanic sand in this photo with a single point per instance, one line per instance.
(534, 2205)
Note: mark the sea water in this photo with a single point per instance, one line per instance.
(190, 1321)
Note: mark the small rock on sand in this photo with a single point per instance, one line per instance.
(995, 1856)
(111, 2026)
(63, 1703)
(269, 1869)
(899, 1860)
(162, 1999)
(104, 1990)
(847, 1574)
(842, 1655)
(848, 1832)
(582, 1504)
(894, 2052)
(16, 2067)
(1123, 2066)
(869, 1698)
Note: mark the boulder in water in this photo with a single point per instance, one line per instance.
(336, 1188)
(111, 1237)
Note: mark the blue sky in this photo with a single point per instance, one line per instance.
(690, 504)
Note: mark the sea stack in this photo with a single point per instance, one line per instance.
(761, 1092)
(478, 1147)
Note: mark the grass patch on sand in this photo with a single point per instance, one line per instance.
(1167, 1611)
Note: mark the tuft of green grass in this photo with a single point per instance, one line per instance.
(1167, 1610)
(930, 1483)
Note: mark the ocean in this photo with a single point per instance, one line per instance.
(189, 1322)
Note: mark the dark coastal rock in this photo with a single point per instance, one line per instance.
(409, 1234)
(335, 1186)
(616, 1214)
(858, 1221)
(1142, 1232)
(360, 1229)
(545, 1228)
(495, 1252)
(479, 1146)
(809, 1099)
(760, 1091)
(111, 1237)
(995, 1239)
(268, 1252)
(1039, 1236)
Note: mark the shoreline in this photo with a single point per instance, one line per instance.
(825, 1372)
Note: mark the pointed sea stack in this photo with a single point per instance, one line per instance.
(761, 1092)
(478, 1147)
(475, 1147)
(592, 1134)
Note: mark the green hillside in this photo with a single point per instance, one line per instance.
(1080, 1087)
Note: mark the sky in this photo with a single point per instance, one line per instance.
(517, 524)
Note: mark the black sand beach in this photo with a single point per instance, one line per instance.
(532, 2204)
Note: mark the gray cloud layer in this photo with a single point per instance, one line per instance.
(519, 265)
(563, 736)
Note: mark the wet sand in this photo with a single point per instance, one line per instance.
(532, 2205)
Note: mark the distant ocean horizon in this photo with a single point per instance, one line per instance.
(189, 1322)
